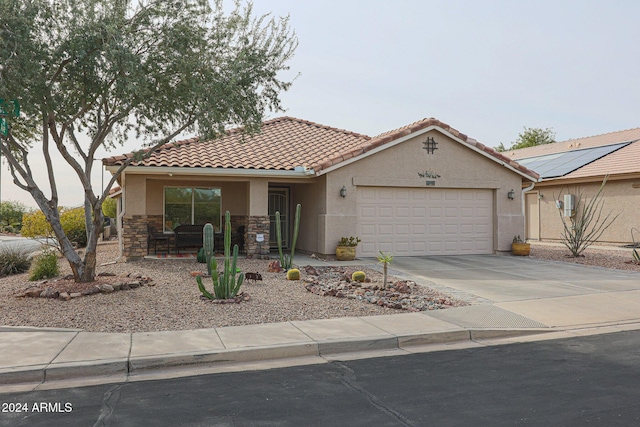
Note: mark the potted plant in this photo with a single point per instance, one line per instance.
(520, 248)
(346, 249)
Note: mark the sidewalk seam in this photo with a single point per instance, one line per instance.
(48, 365)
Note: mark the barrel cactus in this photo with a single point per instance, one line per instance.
(293, 274)
(358, 276)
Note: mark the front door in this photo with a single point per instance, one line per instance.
(279, 202)
(532, 216)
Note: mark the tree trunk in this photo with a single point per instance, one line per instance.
(84, 270)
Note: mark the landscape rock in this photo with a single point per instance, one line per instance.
(311, 270)
(91, 291)
(64, 296)
(49, 293)
(33, 292)
(402, 287)
(401, 295)
(105, 288)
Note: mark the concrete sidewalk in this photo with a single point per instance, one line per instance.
(515, 300)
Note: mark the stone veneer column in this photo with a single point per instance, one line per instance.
(257, 225)
(134, 236)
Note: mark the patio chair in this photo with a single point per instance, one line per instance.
(154, 236)
(238, 239)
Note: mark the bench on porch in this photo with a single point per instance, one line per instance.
(190, 236)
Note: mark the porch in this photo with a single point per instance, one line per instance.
(165, 216)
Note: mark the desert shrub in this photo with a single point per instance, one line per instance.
(11, 215)
(13, 260)
(109, 208)
(35, 224)
(72, 221)
(44, 266)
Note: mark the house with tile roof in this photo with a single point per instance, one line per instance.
(422, 189)
(578, 166)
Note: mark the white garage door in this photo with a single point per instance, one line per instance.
(424, 221)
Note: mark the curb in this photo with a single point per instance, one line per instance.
(126, 367)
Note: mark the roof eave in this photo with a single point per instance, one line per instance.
(300, 172)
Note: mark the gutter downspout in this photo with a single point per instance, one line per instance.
(524, 190)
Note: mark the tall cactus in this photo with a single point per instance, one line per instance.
(228, 285)
(279, 239)
(207, 244)
(286, 261)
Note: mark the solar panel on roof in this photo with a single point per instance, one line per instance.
(561, 164)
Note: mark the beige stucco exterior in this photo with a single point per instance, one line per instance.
(621, 197)
(326, 215)
(399, 166)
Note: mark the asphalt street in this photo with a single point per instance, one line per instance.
(580, 381)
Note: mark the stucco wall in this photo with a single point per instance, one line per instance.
(620, 198)
(402, 165)
(135, 197)
(311, 198)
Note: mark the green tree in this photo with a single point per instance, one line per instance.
(110, 208)
(11, 214)
(530, 137)
(106, 69)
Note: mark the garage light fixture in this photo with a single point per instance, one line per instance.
(511, 194)
(343, 192)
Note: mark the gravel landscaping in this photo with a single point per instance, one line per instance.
(167, 297)
(170, 300)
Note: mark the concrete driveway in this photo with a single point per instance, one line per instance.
(554, 293)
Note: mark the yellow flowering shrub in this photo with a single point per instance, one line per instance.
(34, 224)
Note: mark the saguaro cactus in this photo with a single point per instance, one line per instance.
(207, 244)
(286, 261)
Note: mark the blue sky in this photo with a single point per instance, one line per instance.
(487, 68)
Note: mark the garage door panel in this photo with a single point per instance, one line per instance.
(426, 221)
(403, 230)
(402, 212)
(385, 229)
(435, 212)
(367, 212)
(418, 228)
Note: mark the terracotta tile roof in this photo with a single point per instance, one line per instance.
(623, 161)
(287, 142)
(282, 144)
(572, 144)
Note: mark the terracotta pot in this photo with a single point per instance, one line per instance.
(521, 249)
(345, 253)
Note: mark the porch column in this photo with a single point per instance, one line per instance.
(258, 219)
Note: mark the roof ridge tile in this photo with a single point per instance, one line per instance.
(602, 134)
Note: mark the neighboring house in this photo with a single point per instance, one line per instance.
(578, 166)
(423, 189)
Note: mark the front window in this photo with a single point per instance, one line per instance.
(191, 205)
